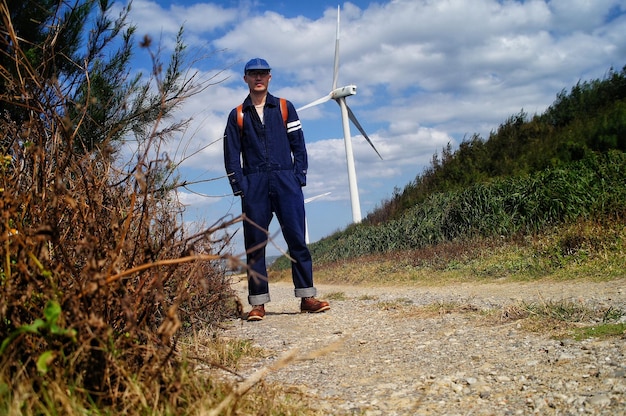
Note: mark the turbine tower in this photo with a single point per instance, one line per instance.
(339, 95)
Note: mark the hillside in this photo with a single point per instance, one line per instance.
(591, 118)
(532, 173)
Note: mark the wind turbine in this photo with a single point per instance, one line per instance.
(339, 95)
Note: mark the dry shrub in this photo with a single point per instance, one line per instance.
(97, 275)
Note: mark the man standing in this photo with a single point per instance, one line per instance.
(265, 134)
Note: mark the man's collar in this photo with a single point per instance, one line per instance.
(269, 99)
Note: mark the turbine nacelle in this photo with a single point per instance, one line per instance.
(346, 91)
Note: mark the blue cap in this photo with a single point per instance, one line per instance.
(256, 63)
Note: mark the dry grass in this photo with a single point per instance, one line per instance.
(561, 318)
(402, 308)
(211, 351)
(336, 296)
(555, 318)
(586, 249)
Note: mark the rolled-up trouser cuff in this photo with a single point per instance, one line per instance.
(259, 299)
(306, 292)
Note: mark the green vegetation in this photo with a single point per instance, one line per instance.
(566, 319)
(604, 330)
(590, 188)
(586, 249)
(557, 168)
(591, 118)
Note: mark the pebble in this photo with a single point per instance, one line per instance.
(600, 400)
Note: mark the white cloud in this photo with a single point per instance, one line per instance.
(197, 18)
(580, 15)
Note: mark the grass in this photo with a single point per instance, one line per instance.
(555, 318)
(582, 250)
(601, 331)
(220, 352)
(336, 296)
(403, 307)
(566, 319)
(98, 278)
(207, 372)
(396, 304)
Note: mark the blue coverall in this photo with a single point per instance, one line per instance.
(270, 181)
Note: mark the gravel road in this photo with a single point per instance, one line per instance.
(395, 355)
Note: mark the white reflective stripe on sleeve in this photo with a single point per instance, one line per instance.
(293, 126)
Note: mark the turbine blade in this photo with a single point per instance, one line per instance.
(358, 126)
(336, 67)
(314, 103)
(313, 198)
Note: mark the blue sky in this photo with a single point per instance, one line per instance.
(428, 73)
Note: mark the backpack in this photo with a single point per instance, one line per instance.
(283, 111)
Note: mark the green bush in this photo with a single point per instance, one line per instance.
(593, 186)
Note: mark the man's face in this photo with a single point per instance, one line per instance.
(257, 80)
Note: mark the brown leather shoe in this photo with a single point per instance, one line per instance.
(312, 305)
(257, 313)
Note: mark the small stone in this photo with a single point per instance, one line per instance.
(620, 373)
(471, 380)
(566, 357)
(599, 400)
(619, 388)
(457, 388)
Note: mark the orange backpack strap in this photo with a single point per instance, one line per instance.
(240, 116)
(283, 110)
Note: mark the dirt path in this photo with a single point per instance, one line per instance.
(394, 357)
